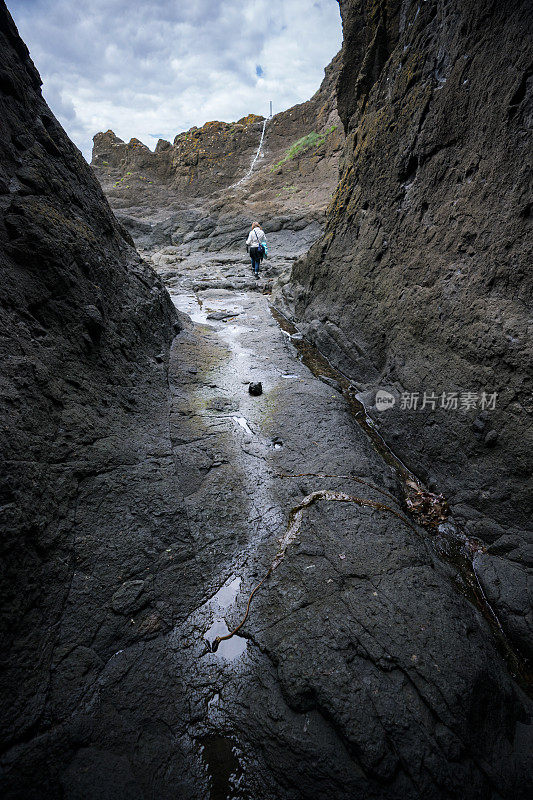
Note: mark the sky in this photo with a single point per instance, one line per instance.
(155, 68)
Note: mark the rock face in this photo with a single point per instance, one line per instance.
(86, 328)
(422, 282)
(188, 194)
(199, 162)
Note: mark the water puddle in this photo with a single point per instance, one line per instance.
(244, 425)
(219, 756)
(227, 594)
(191, 305)
(229, 649)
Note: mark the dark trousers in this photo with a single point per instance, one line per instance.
(256, 260)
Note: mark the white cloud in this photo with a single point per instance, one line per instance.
(164, 66)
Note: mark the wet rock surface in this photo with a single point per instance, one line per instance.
(361, 669)
(146, 492)
(421, 285)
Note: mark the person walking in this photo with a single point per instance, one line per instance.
(256, 244)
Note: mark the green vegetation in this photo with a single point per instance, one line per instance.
(312, 139)
(289, 189)
(120, 181)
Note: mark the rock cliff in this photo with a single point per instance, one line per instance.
(191, 194)
(86, 328)
(422, 284)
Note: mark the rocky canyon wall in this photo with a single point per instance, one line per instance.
(422, 283)
(86, 327)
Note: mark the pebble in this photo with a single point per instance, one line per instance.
(255, 389)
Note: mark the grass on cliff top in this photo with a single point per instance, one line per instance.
(312, 139)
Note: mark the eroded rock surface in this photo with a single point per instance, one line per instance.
(422, 281)
(145, 492)
(86, 328)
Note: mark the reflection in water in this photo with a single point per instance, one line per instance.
(242, 422)
(227, 594)
(229, 649)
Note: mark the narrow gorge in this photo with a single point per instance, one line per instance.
(376, 493)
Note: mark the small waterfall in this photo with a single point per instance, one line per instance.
(252, 165)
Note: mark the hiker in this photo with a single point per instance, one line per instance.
(256, 244)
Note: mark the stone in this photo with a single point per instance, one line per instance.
(94, 321)
(82, 431)
(478, 426)
(255, 388)
(222, 315)
(128, 598)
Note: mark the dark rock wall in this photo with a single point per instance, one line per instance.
(422, 281)
(85, 327)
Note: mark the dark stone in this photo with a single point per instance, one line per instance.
(129, 597)
(75, 460)
(478, 426)
(255, 389)
(220, 315)
(8, 84)
(94, 321)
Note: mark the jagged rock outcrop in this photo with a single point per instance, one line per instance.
(422, 281)
(199, 162)
(187, 194)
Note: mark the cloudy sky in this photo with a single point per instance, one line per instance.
(154, 68)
